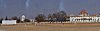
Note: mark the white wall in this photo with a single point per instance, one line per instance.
(94, 19)
(8, 21)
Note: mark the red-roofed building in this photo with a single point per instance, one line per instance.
(83, 13)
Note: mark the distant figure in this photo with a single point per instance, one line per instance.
(23, 18)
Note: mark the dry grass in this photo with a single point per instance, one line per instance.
(51, 27)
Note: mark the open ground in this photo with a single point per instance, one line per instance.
(51, 27)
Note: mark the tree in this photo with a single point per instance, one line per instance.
(27, 20)
(54, 16)
(50, 17)
(61, 16)
(18, 20)
(40, 18)
(1, 20)
(15, 18)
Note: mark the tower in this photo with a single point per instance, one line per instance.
(23, 18)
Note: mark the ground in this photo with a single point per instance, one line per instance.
(51, 27)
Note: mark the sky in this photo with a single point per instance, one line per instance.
(31, 8)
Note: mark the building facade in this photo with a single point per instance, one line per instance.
(84, 19)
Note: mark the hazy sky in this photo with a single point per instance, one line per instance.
(33, 7)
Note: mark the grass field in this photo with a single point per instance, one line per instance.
(51, 27)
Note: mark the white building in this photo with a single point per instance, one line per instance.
(23, 18)
(84, 19)
(9, 22)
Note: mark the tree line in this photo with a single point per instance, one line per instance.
(60, 16)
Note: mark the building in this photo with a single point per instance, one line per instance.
(23, 18)
(83, 13)
(84, 19)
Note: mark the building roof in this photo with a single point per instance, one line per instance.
(83, 16)
(83, 12)
(93, 14)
